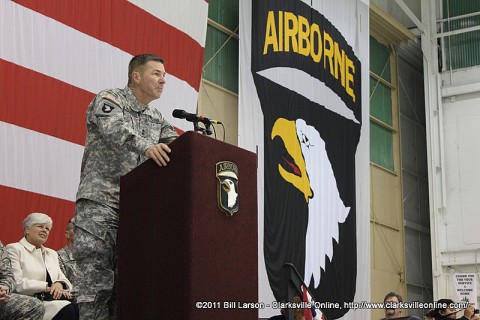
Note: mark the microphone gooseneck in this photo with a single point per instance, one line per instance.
(192, 117)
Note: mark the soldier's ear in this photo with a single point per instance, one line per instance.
(136, 76)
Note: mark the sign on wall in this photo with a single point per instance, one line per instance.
(465, 287)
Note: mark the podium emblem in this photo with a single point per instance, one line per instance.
(227, 187)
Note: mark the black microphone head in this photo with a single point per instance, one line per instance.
(180, 114)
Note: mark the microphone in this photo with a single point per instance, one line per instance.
(192, 117)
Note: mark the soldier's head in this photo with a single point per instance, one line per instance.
(146, 77)
(69, 232)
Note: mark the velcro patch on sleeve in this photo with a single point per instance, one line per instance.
(112, 98)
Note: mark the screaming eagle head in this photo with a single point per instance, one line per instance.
(229, 187)
(294, 169)
(307, 167)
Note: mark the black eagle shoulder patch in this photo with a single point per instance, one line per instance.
(107, 106)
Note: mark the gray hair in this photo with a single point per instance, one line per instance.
(37, 218)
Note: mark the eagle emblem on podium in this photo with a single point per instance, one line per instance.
(227, 187)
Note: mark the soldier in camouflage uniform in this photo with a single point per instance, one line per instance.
(122, 132)
(65, 255)
(15, 306)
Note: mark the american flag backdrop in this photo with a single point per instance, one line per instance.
(55, 55)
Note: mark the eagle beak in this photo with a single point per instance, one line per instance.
(225, 186)
(293, 159)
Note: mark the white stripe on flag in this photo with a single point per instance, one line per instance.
(186, 21)
(66, 54)
(39, 163)
(45, 45)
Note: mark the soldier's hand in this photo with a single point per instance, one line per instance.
(159, 153)
(3, 294)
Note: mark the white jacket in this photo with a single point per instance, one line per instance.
(30, 265)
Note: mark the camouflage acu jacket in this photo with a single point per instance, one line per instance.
(119, 130)
(6, 275)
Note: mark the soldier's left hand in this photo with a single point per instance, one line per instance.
(159, 153)
(3, 294)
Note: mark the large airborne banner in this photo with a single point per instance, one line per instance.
(304, 80)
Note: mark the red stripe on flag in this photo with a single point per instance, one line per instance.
(130, 29)
(21, 203)
(34, 101)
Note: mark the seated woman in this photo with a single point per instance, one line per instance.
(37, 271)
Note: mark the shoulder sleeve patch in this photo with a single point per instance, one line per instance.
(107, 107)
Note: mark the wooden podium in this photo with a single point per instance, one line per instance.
(179, 255)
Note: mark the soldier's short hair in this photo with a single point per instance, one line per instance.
(141, 60)
(37, 218)
(69, 225)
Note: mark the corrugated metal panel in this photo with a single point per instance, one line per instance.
(418, 265)
(381, 136)
(380, 59)
(462, 50)
(225, 12)
(380, 101)
(221, 46)
(223, 68)
(381, 146)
